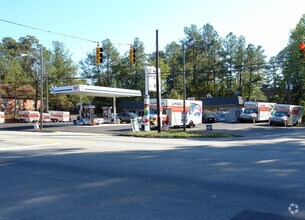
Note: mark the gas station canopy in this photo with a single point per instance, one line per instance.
(97, 91)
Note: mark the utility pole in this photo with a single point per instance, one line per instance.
(47, 93)
(0, 94)
(158, 84)
(41, 89)
(184, 87)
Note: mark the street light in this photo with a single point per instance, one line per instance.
(41, 86)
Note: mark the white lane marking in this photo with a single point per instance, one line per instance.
(28, 147)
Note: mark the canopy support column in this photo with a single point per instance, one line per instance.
(80, 106)
(114, 109)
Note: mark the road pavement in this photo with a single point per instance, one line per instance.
(72, 175)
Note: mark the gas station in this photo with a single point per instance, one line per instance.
(96, 91)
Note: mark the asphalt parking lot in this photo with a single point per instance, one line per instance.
(244, 129)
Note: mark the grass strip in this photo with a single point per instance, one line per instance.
(178, 134)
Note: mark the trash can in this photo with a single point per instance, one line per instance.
(209, 127)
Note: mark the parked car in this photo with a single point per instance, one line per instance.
(96, 121)
(127, 116)
(208, 118)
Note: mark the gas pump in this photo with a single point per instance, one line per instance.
(107, 113)
(88, 114)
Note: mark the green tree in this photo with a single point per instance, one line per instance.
(272, 81)
(11, 69)
(31, 64)
(60, 70)
(101, 74)
(193, 43)
(253, 75)
(211, 47)
(138, 68)
(239, 61)
(110, 60)
(273, 75)
(294, 69)
(229, 55)
(173, 59)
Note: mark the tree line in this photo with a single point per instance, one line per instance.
(214, 65)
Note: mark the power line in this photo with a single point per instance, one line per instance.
(47, 31)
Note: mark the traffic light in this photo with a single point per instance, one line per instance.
(132, 55)
(302, 51)
(99, 55)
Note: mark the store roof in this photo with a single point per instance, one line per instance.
(221, 101)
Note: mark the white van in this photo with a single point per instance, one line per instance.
(2, 117)
(256, 111)
(46, 117)
(285, 114)
(28, 116)
(172, 112)
(59, 116)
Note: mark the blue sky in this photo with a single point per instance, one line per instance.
(261, 22)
